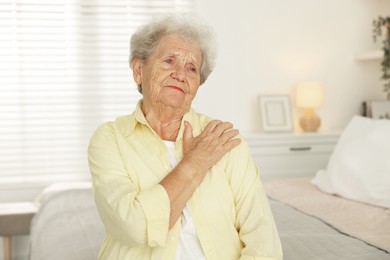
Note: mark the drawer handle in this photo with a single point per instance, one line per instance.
(299, 149)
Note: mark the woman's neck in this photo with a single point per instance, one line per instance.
(165, 121)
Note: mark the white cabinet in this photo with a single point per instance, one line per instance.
(291, 154)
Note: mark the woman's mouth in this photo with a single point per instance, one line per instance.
(177, 88)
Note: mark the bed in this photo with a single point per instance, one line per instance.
(311, 224)
(342, 212)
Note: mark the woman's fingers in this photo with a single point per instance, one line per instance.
(220, 131)
(221, 128)
(227, 135)
(187, 135)
(212, 144)
(232, 143)
(210, 127)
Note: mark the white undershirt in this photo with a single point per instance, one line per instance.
(189, 247)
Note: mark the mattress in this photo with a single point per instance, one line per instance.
(67, 226)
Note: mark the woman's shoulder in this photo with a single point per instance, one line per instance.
(120, 124)
(200, 118)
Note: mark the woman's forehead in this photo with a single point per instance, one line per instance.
(175, 45)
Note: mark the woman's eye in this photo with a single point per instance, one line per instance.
(192, 69)
(169, 61)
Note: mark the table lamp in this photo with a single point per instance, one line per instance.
(309, 95)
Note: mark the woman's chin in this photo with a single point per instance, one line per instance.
(176, 102)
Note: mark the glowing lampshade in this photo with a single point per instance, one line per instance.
(309, 95)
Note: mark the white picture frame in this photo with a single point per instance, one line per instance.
(275, 113)
(380, 109)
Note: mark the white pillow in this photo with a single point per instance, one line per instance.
(359, 167)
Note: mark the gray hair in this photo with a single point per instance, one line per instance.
(145, 40)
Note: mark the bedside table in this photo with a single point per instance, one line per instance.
(15, 220)
(291, 154)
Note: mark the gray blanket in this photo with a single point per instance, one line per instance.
(367, 222)
(306, 237)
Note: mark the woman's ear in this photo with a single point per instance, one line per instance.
(136, 65)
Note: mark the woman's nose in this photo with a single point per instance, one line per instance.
(179, 74)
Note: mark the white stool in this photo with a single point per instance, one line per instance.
(15, 220)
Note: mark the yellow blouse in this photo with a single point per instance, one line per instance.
(230, 210)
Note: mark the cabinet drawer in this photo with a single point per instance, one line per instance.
(291, 164)
(298, 149)
(291, 155)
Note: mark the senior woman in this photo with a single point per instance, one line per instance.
(170, 183)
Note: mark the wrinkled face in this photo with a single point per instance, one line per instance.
(171, 76)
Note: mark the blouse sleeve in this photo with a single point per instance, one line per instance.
(254, 219)
(131, 216)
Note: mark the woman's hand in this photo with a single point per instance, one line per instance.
(206, 149)
(200, 153)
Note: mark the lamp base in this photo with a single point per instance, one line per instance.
(310, 121)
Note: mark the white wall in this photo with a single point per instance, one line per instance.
(267, 47)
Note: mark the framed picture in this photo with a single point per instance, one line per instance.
(380, 109)
(275, 112)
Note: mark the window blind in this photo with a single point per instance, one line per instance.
(63, 71)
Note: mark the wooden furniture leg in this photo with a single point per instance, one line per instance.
(7, 243)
